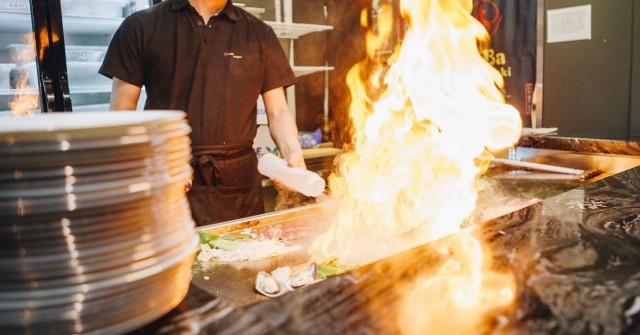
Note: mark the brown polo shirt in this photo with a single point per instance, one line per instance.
(214, 71)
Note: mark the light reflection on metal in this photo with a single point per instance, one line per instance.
(51, 60)
(71, 202)
(64, 145)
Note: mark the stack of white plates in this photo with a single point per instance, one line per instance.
(95, 230)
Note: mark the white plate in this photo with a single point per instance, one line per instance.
(68, 140)
(68, 202)
(94, 221)
(108, 220)
(110, 309)
(87, 265)
(99, 122)
(57, 172)
(122, 273)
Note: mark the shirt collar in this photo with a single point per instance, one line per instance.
(228, 8)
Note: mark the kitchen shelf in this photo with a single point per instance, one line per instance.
(305, 70)
(295, 30)
(13, 91)
(256, 11)
(89, 89)
(91, 108)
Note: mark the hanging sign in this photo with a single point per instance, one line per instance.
(512, 50)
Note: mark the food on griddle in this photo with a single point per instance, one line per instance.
(246, 246)
(289, 279)
(284, 279)
(303, 278)
(282, 274)
(288, 232)
(268, 286)
(332, 268)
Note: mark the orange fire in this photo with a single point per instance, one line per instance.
(44, 40)
(419, 145)
(462, 296)
(25, 101)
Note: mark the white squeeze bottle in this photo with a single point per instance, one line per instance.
(304, 181)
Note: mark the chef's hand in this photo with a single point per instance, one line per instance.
(294, 160)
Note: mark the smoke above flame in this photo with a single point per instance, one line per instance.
(421, 139)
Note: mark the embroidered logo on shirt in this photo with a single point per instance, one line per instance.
(231, 54)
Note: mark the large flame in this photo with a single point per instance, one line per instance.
(462, 296)
(418, 149)
(421, 140)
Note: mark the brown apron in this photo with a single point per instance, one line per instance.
(226, 183)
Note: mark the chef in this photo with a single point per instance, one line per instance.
(211, 60)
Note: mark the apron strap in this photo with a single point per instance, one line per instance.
(223, 150)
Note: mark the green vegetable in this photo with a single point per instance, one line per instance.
(237, 237)
(332, 268)
(222, 242)
(205, 238)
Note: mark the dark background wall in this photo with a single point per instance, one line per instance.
(635, 68)
(341, 47)
(588, 84)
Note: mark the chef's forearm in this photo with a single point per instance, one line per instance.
(285, 133)
(282, 127)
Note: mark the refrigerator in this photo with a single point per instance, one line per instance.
(51, 50)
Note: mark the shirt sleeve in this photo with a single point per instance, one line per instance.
(277, 71)
(123, 58)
